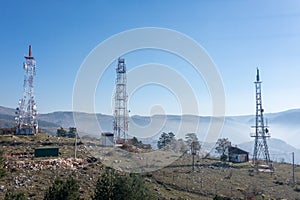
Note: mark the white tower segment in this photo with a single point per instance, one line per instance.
(26, 111)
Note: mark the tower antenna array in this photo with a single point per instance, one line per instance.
(26, 111)
(121, 112)
(261, 131)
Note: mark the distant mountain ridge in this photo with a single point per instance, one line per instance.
(283, 125)
(7, 111)
(279, 150)
(7, 120)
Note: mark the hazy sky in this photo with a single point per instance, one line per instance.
(238, 35)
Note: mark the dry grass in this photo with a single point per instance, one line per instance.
(175, 181)
(230, 180)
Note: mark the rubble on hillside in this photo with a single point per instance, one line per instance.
(53, 163)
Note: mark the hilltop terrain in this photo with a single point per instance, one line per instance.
(175, 181)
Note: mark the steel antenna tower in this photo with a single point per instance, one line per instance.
(26, 111)
(121, 112)
(261, 131)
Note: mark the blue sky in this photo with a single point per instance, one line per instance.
(238, 35)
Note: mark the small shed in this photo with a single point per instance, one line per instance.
(24, 131)
(107, 139)
(46, 152)
(237, 155)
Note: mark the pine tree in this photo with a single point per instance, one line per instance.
(14, 195)
(63, 190)
(104, 186)
(165, 140)
(114, 186)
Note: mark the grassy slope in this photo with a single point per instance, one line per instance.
(234, 180)
(173, 182)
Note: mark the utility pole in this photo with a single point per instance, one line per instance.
(193, 169)
(293, 160)
(75, 153)
(195, 146)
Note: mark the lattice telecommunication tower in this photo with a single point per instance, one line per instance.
(121, 112)
(261, 151)
(26, 111)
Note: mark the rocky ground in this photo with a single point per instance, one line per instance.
(211, 177)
